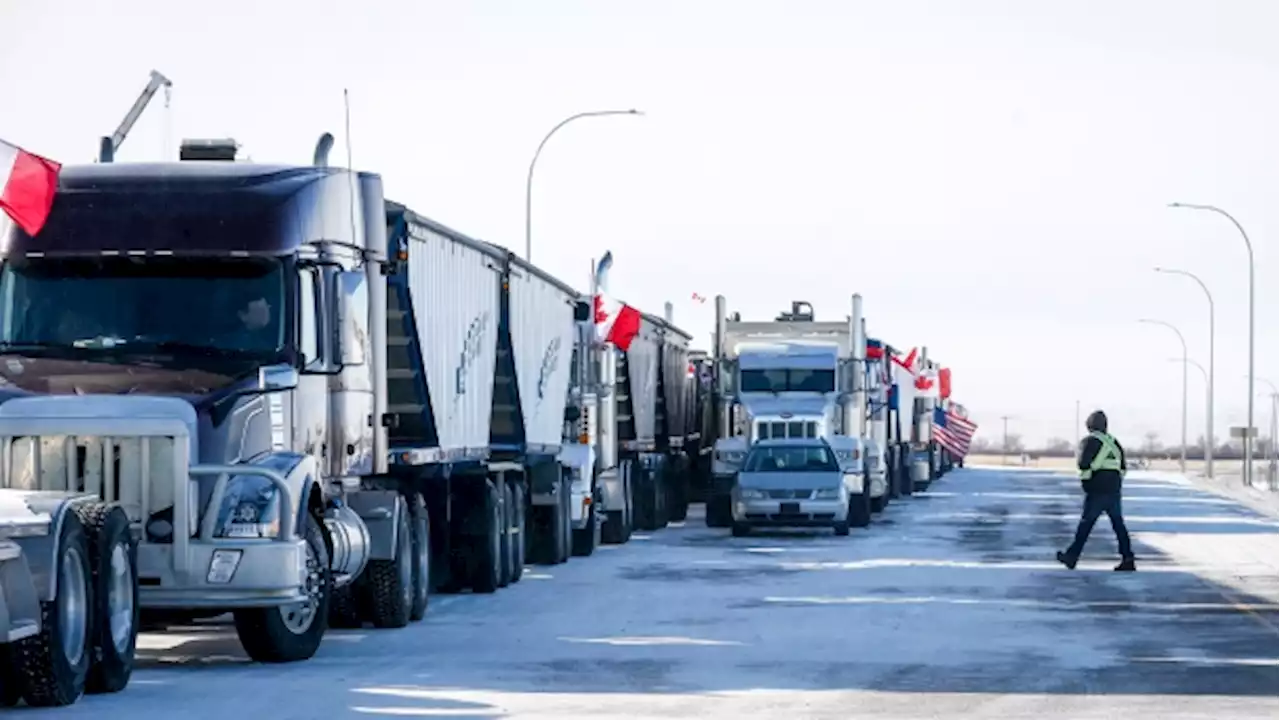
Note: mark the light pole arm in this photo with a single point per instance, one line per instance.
(528, 188)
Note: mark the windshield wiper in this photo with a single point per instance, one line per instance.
(177, 346)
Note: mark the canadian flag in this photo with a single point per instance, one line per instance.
(616, 322)
(27, 185)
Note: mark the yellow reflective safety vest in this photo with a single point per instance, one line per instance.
(1108, 457)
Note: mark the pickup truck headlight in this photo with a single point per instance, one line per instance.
(827, 494)
(250, 509)
(857, 483)
(730, 457)
(752, 494)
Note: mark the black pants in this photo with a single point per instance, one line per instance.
(1094, 505)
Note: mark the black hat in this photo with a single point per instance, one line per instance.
(1097, 421)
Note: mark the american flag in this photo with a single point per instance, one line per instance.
(952, 431)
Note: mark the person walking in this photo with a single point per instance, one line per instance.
(1102, 468)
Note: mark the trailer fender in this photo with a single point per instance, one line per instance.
(35, 521)
(380, 510)
(612, 489)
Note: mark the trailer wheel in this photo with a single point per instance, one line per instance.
(113, 559)
(904, 473)
(420, 522)
(507, 558)
(486, 556)
(878, 503)
(54, 664)
(290, 633)
(661, 496)
(740, 529)
(387, 585)
(680, 491)
(519, 523)
(859, 510)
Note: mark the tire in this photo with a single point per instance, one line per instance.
(292, 633)
(420, 524)
(344, 607)
(507, 557)
(878, 503)
(904, 474)
(680, 491)
(486, 548)
(740, 529)
(113, 562)
(53, 665)
(859, 510)
(10, 680)
(387, 586)
(521, 523)
(719, 510)
(566, 519)
(841, 528)
(586, 540)
(615, 530)
(661, 497)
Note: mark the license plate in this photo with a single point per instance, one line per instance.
(791, 508)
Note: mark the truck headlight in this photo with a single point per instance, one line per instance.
(857, 483)
(752, 494)
(250, 509)
(827, 494)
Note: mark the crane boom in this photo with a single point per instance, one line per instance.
(109, 145)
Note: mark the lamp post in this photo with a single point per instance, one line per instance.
(1248, 440)
(528, 192)
(1208, 399)
(1182, 463)
(1209, 424)
(1273, 454)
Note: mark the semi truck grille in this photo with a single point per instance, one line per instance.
(135, 471)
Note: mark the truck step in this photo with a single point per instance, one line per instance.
(406, 408)
(400, 374)
(22, 629)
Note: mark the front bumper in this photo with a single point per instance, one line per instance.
(789, 513)
(879, 484)
(230, 574)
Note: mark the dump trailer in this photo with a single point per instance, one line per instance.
(703, 423)
(794, 376)
(68, 588)
(313, 406)
(673, 418)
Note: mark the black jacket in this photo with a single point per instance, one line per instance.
(1102, 482)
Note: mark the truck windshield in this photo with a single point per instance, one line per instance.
(811, 458)
(788, 380)
(231, 306)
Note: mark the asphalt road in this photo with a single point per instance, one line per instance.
(949, 606)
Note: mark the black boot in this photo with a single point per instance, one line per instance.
(1126, 565)
(1067, 560)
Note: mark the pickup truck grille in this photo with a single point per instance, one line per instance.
(135, 471)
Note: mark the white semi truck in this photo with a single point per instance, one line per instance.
(793, 376)
(316, 406)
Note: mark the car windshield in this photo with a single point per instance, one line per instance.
(806, 458)
(116, 302)
(788, 380)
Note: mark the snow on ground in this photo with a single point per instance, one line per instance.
(949, 606)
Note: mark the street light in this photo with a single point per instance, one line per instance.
(1273, 457)
(1248, 440)
(528, 192)
(1208, 442)
(1183, 462)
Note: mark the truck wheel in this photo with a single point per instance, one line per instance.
(486, 554)
(420, 524)
(54, 664)
(904, 475)
(586, 540)
(517, 494)
(113, 560)
(859, 510)
(289, 633)
(841, 528)
(740, 529)
(507, 558)
(661, 497)
(878, 503)
(719, 511)
(566, 519)
(388, 584)
(680, 492)
(10, 681)
(344, 608)
(642, 499)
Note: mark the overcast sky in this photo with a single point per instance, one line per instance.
(991, 176)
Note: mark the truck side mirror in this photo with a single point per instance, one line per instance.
(581, 311)
(351, 298)
(277, 377)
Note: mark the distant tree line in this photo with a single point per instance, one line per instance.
(1150, 447)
